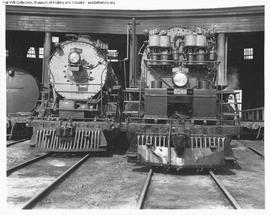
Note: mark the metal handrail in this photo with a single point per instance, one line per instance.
(253, 109)
(254, 114)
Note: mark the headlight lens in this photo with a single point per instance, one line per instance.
(74, 57)
(180, 79)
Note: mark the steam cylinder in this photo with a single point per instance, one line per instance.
(201, 40)
(21, 89)
(154, 40)
(164, 41)
(190, 40)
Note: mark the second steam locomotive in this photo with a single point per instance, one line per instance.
(183, 117)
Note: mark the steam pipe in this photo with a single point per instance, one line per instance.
(134, 52)
(127, 55)
(126, 58)
(45, 63)
(222, 71)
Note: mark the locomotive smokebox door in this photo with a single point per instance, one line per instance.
(204, 103)
(155, 103)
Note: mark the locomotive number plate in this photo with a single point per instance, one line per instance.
(180, 91)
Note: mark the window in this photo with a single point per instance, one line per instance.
(31, 53)
(7, 52)
(40, 52)
(248, 53)
(55, 39)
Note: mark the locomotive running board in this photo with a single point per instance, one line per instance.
(84, 140)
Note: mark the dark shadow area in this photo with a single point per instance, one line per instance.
(185, 172)
(252, 134)
(117, 142)
(78, 154)
(246, 59)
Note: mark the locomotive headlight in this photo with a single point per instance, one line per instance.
(74, 57)
(180, 79)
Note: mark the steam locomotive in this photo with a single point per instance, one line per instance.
(178, 115)
(81, 104)
(22, 93)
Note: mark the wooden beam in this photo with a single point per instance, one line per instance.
(138, 14)
(242, 19)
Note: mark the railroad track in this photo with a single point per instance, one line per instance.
(26, 163)
(15, 142)
(256, 151)
(143, 194)
(44, 192)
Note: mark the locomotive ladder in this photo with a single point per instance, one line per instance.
(113, 100)
(132, 96)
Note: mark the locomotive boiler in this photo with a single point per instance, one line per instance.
(81, 104)
(22, 93)
(178, 115)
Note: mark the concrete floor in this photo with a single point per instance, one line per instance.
(246, 183)
(20, 152)
(100, 183)
(184, 192)
(111, 182)
(23, 184)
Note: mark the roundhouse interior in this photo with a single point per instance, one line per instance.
(188, 101)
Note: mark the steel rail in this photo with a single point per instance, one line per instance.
(15, 142)
(140, 203)
(26, 163)
(233, 202)
(143, 194)
(33, 201)
(256, 151)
